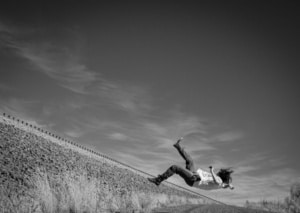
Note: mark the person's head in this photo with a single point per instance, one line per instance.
(225, 175)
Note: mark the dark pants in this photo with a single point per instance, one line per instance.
(188, 174)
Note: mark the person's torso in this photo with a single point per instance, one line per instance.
(207, 182)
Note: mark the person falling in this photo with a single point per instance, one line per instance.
(200, 179)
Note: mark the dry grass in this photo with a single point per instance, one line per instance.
(15, 198)
(68, 193)
(77, 194)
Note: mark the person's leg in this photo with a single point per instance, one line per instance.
(185, 174)
(188, 159)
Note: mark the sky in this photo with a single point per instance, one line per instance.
(128, 79)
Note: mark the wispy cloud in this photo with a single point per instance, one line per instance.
(123, 96)
(231, 136)
(6, 38)
(62, 62)
(53, 58)
(118, 136)
(59, 64)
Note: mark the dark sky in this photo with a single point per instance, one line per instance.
(127, 78)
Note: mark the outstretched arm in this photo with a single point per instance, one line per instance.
(215, 177)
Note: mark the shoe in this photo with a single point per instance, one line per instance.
(156, 180)
(177, 144)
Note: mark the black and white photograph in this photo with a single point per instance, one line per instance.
(149, 106)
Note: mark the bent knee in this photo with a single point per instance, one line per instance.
(174, 168)
(189, 165)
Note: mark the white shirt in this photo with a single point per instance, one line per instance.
(207, 181)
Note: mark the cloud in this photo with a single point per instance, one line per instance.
(6, 38)
(118, 136)
(125, 97)
(73, 134)
(256, 163)
(230, 136)
(60, 64)
(60, 61)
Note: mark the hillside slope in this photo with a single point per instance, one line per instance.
(43, 174)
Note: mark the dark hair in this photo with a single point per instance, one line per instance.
(224, 174)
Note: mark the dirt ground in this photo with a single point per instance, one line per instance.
(213, 208)
(178, 209)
